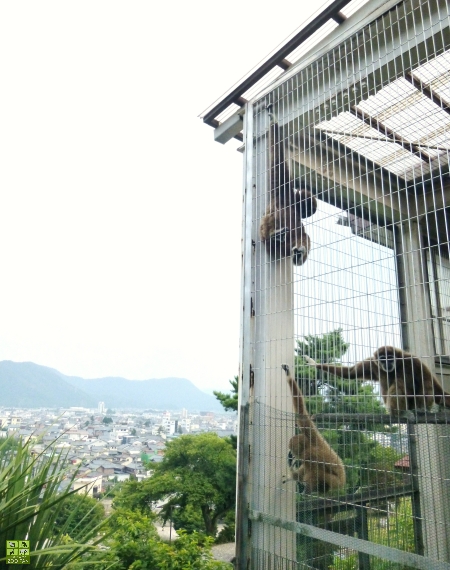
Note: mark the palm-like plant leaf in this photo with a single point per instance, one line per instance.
(30, 501)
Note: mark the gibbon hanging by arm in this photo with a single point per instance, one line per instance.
(321, 468)
(282, 228)
(406, 382)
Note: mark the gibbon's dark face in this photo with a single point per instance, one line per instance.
(386, 360)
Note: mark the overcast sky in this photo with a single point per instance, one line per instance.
(120, 218)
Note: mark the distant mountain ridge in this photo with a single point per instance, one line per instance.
(30, 385)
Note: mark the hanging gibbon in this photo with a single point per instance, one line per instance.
(321, 469)
(282, 228)
(406, 382)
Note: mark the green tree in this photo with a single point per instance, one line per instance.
(133, 541)
(189, 519)
(197, 471)
(188, 551)
(107, 420)
(79, 511)
(135, 545)
(229, 401)
(328, 347)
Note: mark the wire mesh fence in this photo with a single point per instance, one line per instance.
(344, 448)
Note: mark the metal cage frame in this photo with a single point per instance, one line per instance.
(406, 206)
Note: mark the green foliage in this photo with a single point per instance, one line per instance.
(135, 545)
(325, 348)
(31, 501)
(134, 537)
(377, 468)
(198, 471)
(79, 512)
(189, 519)
(229, 401)
(189, 551)
(397, 532)
(107, 420)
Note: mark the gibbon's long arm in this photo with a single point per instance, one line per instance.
(303, 419)
(282, 227)
(308, 202)
(364, 370)
(282, 184)
(280, 179)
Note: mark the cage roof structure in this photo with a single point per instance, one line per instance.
(403, 128)
(311, 33)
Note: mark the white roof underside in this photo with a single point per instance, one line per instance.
(383, 127)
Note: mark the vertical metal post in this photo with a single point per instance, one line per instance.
(431, 442)
(274, 345)
(415, 497)
(362, 529)
(246, 347)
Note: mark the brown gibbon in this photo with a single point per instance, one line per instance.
(282, 228)
(406, 382)
(321, 469)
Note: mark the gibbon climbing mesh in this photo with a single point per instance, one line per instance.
(344, 444)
